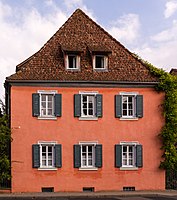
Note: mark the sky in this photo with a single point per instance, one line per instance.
(147, 28)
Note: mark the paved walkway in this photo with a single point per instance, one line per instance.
(169, 193)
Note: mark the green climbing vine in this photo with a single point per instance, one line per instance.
(167, 84)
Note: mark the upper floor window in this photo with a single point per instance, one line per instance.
(100, 62)
(128, 105)
(88, 105)
(72, 61)
(46, 104)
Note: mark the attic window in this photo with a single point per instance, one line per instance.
(72, 62)
(100, 62)
(100, 55)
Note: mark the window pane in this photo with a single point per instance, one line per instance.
(49, 104)
(49, 111)
(72, 59)
(90, 162)
(50, 97)
(49, 162)
(43, 149)
(130, 148)
(43, 112)
(124, 162)
(43, 162)
(89, 148)
(90, 105)
(99, 61)
(84, 162)
(85, 111)
(43, 97)
(130, 99)
(83, 148)
(90, 111)
(130, 106)
(43, 104)
(124, 106)
(130, 162)
(124, 149)
(124, 99)
(84, 98)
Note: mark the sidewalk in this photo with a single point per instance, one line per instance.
(169, 193)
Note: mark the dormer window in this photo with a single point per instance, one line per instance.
(72, 62)
(100, 62)
(100, 55)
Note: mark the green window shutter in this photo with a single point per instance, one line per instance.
(98, 155)
(58, 105)
(139, 156)
(118, 106)
(35, 105)
(36, 155)
(139, 106)
(77, 105)
(118, 155)
(58, 155)
(99, 105)
(77, 156)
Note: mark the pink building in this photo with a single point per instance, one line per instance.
(85, 115)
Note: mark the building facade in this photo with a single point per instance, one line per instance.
(85, 115)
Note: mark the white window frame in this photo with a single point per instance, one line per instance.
(77, 67)
(133, 95)
(83, 116)
(88, 167)
(47, 144)
(128, 166)
(105, 62)
(44, 92)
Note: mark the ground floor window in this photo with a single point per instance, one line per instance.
(47, 155)
(87, 156)
(128, 155)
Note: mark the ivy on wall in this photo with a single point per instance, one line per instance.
(167, 84)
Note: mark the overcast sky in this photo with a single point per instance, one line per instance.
(146, 27)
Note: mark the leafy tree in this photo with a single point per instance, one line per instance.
(5, 139)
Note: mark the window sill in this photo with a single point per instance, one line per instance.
(73, 69)
(128, 168)
(101, 69)
(47, 169)
(88, 169)
(48, 118)
(88, 118)
(129, 118)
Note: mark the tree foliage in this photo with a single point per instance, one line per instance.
(5, 139)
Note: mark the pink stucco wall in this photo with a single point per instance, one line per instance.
(67, 130)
